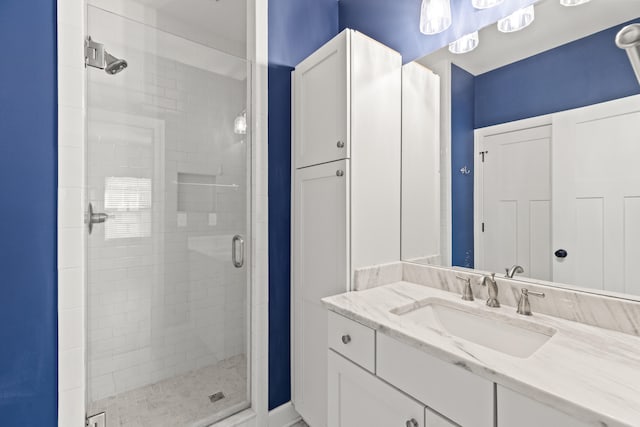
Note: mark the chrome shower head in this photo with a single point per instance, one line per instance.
(114, 65)
(628, 39)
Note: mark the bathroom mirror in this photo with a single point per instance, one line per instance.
(539, 153)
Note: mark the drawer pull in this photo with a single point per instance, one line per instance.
(346, 339)
(340, 144)
(412, 423)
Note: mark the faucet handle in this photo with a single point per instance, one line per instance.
(467, 293)
(524, 307)
(526, 291)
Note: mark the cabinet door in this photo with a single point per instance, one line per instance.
(357, 398)
(320, 269)
(433, 419)
(515, 409)
(320, 88)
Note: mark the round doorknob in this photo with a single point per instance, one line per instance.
(412, 423)
(340, 144)
(346, 339)
(339, 173)
(561, 253)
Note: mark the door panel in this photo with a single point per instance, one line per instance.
(358, 398)
(596, 187)
(167, 311)
(320, 265)
(321, 105)
(516, 199)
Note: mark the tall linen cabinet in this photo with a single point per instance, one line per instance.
(346, 191)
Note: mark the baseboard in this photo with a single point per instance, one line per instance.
(283, 416)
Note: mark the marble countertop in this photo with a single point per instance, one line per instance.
(590, 373)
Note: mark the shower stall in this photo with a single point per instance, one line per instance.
(168, 200)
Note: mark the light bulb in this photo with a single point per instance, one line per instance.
(240, 124)
(573, 2)
(435, 16)
(485, 4)
(517, 21)
(465, 43)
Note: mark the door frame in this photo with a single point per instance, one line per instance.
(478, 177)
(71, 259)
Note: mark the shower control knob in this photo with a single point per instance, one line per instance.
(339, 172)
(346, 339)
(561, 253)
(412, 423)
(340, 144)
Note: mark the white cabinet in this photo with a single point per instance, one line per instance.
(320, 269)
(515, 409)
(358, 399)
(321, 104)
(346, 191)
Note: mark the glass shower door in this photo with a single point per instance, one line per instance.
(168, 185)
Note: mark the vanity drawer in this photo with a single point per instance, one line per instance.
(459, 395)
(354, 341)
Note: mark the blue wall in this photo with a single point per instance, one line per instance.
(587, 71)
(28, 129)
(396, 22)
(462, 118)
(296, 29)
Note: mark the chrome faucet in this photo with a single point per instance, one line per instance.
(492, 289)
(510, 272)
(524, 307)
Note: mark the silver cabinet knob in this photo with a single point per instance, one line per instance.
(346, 339)
(340, 144)
(339, 172)
(412, 423)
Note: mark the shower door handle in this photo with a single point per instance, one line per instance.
(95, 218)
(238, 261)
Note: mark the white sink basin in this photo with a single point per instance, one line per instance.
(515, 337)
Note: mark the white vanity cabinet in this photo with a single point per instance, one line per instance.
(345, 192)
(374, 380)
(515, 409)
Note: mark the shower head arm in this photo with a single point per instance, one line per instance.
(628, 39)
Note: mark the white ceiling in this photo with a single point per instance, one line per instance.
(554, 26)
(217, 23)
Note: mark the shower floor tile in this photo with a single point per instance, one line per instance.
(182, 400)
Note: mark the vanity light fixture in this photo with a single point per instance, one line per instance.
(435, 16)
(570, 3)
(465, 43)
(517, 21)
(486, 4)
(240, 124)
